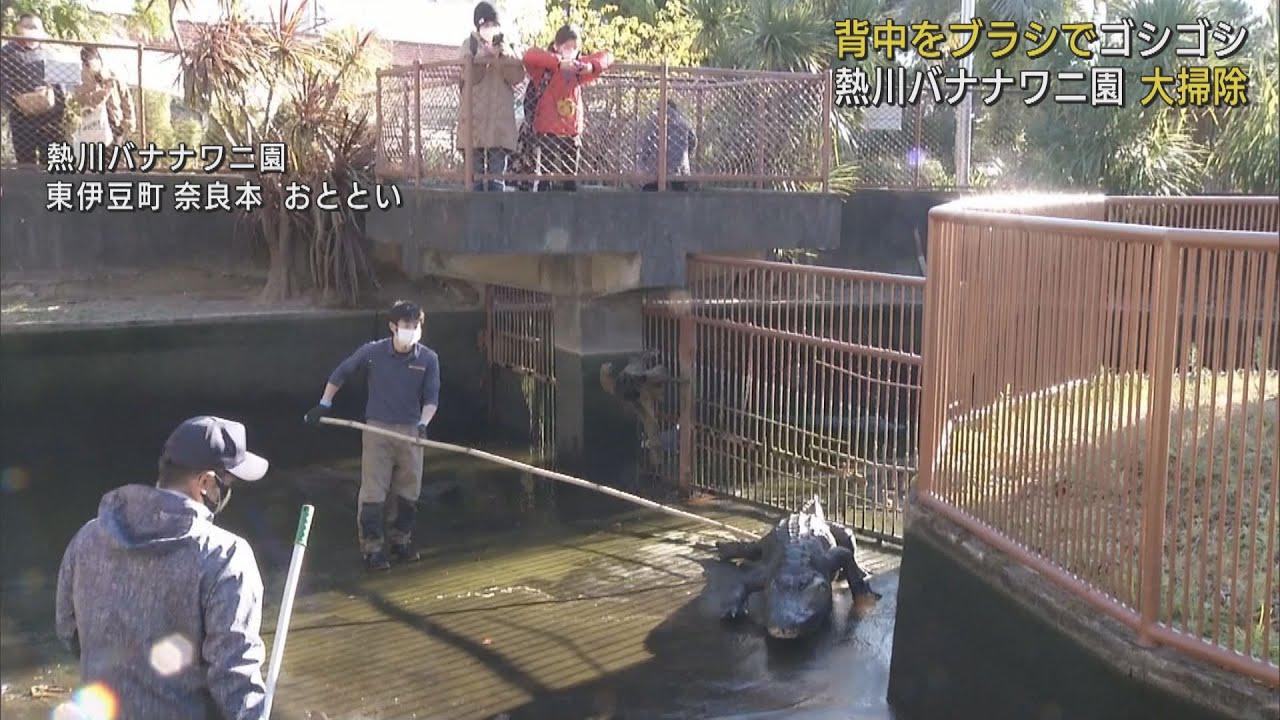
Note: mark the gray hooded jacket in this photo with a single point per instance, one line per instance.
(164, 608)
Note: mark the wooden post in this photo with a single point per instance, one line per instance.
(1161, 357)
(663, 96)
(759, 145)
(417, 123)
(380, 152)
(406, 122)
(686, 353)
(468, 153)
(827, 130)
(490, 377)
(917, 155)
(142, 102)
(696, 160)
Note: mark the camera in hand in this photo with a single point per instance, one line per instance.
(497, 40)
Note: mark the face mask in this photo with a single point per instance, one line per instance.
(489, 32)
(407, 338)
(224, 496)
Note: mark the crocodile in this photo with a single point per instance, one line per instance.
(792, 567)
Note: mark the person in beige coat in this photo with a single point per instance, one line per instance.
(106, 106)
(495, 72)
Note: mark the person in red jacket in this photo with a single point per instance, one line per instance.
(559, 118)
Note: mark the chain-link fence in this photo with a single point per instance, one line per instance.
(68, 91)
(644, 126)
(895, 146)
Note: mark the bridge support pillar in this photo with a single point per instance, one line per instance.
(596, 437)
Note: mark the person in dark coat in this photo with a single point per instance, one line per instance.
(34, 105)
(682, 142)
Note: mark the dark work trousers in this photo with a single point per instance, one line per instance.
(490, 161)
(557, 155)
(33, 135)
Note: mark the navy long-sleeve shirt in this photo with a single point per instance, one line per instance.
(400, 385)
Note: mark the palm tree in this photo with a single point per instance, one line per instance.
(1160, 149)
(1245, 141)
(784, 35)
(717, 20)
(269, 83)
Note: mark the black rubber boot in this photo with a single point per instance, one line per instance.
(402, 531)
(370, 519)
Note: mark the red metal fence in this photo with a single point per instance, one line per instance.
(519, 339)
(751, 128)
(793, 381)
(1101, 392)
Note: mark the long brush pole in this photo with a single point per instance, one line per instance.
(543, 472)
(286, 605)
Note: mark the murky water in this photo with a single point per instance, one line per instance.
(529, 603)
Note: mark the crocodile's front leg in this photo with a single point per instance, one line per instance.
(740, 550)
(753, 582)
(853, 573)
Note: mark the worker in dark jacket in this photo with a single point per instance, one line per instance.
(682, 141)
(34, 105)
(164, 607)
(404, 390)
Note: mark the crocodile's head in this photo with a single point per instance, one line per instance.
(796, 602)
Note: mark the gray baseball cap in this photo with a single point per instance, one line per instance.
(208, 442)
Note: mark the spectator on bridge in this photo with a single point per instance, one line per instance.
(681, 141)
(106, 108)
(560, 116)
(163, 607)
(34, 105)
(493, 81)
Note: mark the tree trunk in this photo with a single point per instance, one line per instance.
(279, 237)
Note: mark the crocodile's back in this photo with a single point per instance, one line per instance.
(804, 529)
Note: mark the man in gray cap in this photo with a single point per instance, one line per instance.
(164, 607)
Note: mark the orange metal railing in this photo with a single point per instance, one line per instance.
(1100, 401)
(751, 128)
(519, 339)
(794, 381)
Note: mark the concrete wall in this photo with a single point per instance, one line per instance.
(877, 230)
(125, 388)
(84, 411)
(977, 635)
(596, 437)
(522, 239)
(34, 239)
(658, 229)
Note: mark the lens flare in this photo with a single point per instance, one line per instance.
(68, 711)
(14, 479)
(91, 702)
(171, 655)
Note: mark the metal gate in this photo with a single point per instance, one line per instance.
(518, 339)
(791, 381)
